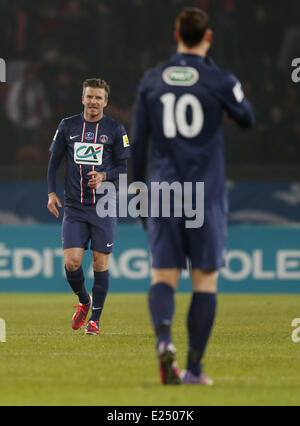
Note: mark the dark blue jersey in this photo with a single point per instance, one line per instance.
(88, 146)
(180, 105)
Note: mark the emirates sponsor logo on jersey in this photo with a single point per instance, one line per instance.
(180, 76)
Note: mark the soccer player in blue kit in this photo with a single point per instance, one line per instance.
(96, 149)
(180, 105)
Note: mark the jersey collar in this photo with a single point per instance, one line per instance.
(91, 122)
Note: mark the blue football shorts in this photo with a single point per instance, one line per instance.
(81, 226)
(172, 245)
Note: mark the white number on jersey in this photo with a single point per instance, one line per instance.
(174, 115)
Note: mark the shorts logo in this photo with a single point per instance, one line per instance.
(103, 138)
(125, 141)
(88, 153)
(89, 136)
(180, 76)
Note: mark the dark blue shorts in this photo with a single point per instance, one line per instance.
(82, 225)
(172, 244)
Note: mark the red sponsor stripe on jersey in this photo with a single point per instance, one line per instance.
(93, 167)
(81, 174)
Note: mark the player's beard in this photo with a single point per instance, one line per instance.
(92, 113)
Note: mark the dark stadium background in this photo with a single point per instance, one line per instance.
(64, 41)
(56, 44)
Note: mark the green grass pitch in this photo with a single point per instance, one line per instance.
(251, 355)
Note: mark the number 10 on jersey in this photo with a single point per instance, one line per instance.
(175, 115)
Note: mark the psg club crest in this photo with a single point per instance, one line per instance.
(103, 138)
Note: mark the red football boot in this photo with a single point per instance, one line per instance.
(169, 372)
(80, 315)
(92, 327)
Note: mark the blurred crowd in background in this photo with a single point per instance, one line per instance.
(51, 46)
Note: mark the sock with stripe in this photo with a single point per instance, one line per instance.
(161, 306)
(200, 321)
(76, 281)
(100, 289)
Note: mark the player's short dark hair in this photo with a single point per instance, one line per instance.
(191, 25)
(97, 83)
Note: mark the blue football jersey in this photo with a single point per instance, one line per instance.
(180, 105)
(88, 146)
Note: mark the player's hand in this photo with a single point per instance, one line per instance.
(52, 201)
(96, 179)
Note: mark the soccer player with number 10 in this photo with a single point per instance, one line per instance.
(180, 104)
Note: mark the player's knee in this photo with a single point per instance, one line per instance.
(205, 281)
(73, 264)
(167, 276)
(100, 262)
(100, 266)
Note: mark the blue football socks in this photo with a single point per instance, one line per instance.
(161, 305)
(100, 289)
(76, 281)
(200, 321)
